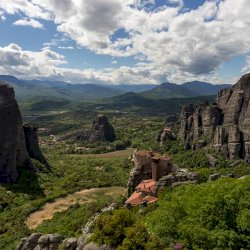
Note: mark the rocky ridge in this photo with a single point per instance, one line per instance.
(224, 124)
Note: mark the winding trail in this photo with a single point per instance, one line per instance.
(62, 204)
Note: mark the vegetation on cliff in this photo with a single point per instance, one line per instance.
(212, 215)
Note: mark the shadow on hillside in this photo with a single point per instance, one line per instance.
(27, 183)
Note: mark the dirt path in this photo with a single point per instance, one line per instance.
(62, 204)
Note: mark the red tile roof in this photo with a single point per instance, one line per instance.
(140, 195)
(135, 199)
(147, 186)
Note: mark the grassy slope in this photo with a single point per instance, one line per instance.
(70, 174)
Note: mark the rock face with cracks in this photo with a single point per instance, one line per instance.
(13, 152)
(32, 144)
(225, 124)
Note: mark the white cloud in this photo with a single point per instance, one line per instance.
(29, 22)
(3, 18)
(26, 7)
(65, 47)
(47, 63)
(174, 44)
(246, 67)
(14, 60)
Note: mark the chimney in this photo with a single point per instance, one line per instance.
(155, 171)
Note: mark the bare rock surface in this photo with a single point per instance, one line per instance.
(224, 124)
(100, 131)
(38, 241)
(13, 150)
(32, 144)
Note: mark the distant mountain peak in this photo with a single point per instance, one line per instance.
(188, 89)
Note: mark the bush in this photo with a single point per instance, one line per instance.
(213, 215)
(119, 145)
(124, 229)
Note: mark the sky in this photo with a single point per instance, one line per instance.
(125, 41)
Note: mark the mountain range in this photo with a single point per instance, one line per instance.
(188, 89)
(59, 89)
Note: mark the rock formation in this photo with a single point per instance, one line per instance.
(40, 241)
(13, 150)
(165, 135)
(32, 145)
(148, 165)
(224, 124)
(101, 131)
(177, 179)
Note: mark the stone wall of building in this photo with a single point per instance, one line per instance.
(147, 165)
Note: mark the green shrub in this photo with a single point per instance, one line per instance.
(212, 215)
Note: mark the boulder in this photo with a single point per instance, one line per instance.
(91, 246)
(212, 160)
(14, 155)
(38, 241)
(214, 177)
(80, 243)
(235, 163)
(70, 244)
(50, 241)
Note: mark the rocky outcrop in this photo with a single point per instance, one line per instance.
(177, 179)
(101, 131)
(13, 150)
(148, 165)
(166, 135)
(32, 144)
(41, 242)
(38, 241)
(214, 177)
(224, 124)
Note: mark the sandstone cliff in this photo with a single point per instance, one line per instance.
(13, 153)
(224, 124)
